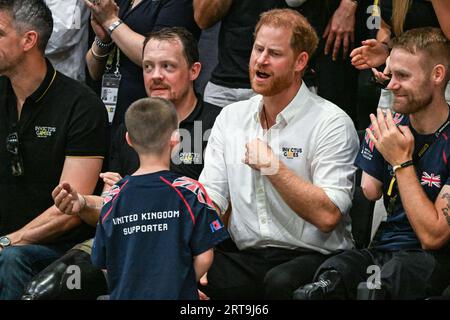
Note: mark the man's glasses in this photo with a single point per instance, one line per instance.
(12, 145)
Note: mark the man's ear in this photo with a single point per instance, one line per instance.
(439, 73)
(301, 62)
(195, 70)
(29, 40)
(127, 137)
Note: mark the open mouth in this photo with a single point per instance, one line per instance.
(262, 75)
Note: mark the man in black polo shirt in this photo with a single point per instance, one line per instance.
(170, 63)
(52, 129)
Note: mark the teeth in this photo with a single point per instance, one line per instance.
(262, 74)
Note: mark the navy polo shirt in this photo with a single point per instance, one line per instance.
(150, 228)
(194, 132)
(433, 172)
(62, 118)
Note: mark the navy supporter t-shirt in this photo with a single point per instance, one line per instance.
(150, 228)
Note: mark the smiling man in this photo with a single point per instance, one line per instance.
(404, 159)
(290, 186)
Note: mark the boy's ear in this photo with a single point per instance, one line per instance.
(174, 138)
(127, 137)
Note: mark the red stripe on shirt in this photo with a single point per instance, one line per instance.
(110, 209)
(182, 198)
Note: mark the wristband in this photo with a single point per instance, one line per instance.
(98, 56)
(114, 25)
(103, 45)
(403, 165)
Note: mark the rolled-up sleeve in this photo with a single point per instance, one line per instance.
(333, 166)
(214, 176)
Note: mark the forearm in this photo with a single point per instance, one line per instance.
(46, 227)
(421, 212)
(202, 262)
(129, 42)
(209, 12)
(307, 200)
(91, 210)
(442, 10)
(96, 66)
(384, 33)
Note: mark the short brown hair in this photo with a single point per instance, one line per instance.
(429, 41)
(187, 40)
(304, 37)
(150, 122)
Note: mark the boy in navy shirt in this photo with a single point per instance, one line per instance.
(157, 228)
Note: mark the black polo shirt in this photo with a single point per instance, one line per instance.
(62, 118)
(194, 131)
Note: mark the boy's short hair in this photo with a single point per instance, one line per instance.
(150, 123)
(429, 41)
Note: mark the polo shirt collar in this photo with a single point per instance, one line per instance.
(42, 90)
(195, 113)
(291, 110)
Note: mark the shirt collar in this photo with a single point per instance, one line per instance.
(291, 110)
(43, 88)
(196, 112)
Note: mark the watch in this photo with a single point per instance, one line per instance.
(114, 25)
(5, 242)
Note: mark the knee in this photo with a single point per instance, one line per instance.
(12, 258)
(278, 285)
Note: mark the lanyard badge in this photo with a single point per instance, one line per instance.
(110, 85)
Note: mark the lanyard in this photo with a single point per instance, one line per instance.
(109, 63)
(391, 193)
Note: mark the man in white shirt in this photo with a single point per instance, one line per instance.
(68, 44)
(283, 161)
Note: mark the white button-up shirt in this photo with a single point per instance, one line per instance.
(315, 139)
(67, 47)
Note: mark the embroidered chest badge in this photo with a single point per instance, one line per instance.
(44, 132)
(430, 179)
(291, 153)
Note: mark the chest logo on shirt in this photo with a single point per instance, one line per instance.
(291, 153)
(44, 132)
(430, 180)
(190, 158)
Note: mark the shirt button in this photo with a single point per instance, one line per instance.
(263, 221)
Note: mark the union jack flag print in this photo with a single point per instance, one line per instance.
(430, 180)
(195, 187)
